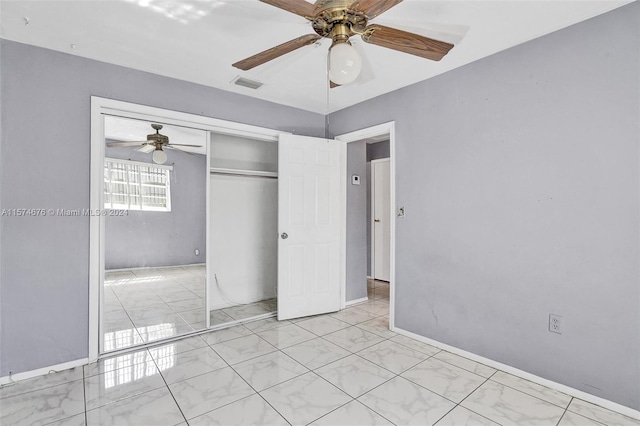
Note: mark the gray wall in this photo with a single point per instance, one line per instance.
(375, 151)
(520, 178)
(44, 161)
(356, 262)
(150, 238)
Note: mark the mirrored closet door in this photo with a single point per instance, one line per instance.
(154, 232)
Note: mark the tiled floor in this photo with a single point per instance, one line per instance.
(339, 369)
(146, 305)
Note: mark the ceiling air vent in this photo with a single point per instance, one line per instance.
(245, 82)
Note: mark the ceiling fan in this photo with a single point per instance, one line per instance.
(339, 20)
(155, 142)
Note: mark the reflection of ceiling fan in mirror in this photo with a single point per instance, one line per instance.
(339, 20)
(155, 142)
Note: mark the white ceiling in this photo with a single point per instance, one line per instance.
(197, 41)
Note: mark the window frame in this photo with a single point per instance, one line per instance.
(139, 168)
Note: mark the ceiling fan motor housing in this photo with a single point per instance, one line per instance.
(336, 21)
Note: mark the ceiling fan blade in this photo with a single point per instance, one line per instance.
(182, 144)
(178, 149)
(406, 42)
(117, 144)
(373, 8)
(299, 7)
(147, 148)
(274, 52)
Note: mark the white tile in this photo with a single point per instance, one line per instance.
(121, 339)
(322, 325)
(392, 356)
(460, 416)
(194, 316)
(219, 317)
(352, 414)
(182, 366)
(138, 302)
(179, 296)
(269, 370)
(415, 345)
(546, 394)
(156, 407)
(354, 315)
(377, 307)
(243, 349)
(446, 380)
(288, 335)
(226, 334)
(354, 339)
(155, 332)
(379, 326)
(201, 394)
(265, 324)
(187, 305)
(166, 320)
(354, 375)
(305, 398)
(573, 419)
(467, 364)
(120, 384)
(43, 406)
(315, 353)
(405, 403)
(126, 360)
(185, 344)
(41, 382)
(252, 410)
(508, 406)
(600, 414)
(247, 311)
(77, 420)
(152, 311)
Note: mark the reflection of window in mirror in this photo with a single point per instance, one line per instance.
(129, 185)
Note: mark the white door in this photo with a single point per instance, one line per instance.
(381, 219)
(309, 210)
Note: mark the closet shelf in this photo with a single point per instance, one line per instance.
(226, 171)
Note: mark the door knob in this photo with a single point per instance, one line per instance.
(376, 220)
(284, 236)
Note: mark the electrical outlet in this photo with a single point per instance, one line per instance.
(555, 323)
(197, 252)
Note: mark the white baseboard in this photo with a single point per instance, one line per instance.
(356, 301)
(42, 371)
(605, 403)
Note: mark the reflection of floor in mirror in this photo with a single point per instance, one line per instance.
(242, 312)
(145, 305)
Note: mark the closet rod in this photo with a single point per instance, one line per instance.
(247, 173)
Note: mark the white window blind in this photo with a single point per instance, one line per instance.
(133, 185)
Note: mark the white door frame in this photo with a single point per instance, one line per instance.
(358, 135)
(103, 106)
(372, 225)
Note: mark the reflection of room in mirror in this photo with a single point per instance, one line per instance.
(155, 252)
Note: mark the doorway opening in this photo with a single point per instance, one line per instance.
(369, 219)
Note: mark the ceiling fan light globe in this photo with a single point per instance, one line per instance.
(159, 156)
(344, 63)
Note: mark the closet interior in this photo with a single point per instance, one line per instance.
(243, 229)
